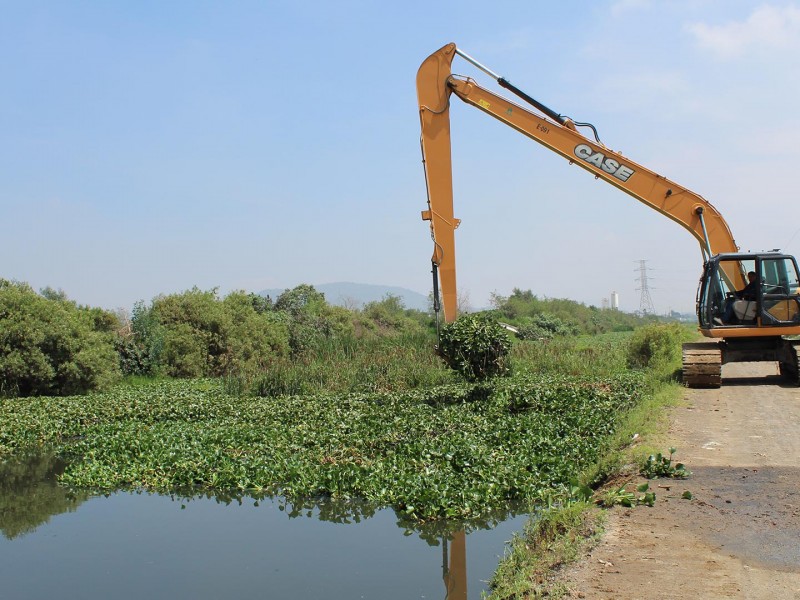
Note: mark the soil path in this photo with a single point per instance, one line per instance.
(739, 537)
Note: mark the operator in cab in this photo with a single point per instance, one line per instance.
(749, 294)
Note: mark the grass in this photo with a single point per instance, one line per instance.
(408, 361)
(585, 356)
(553, 538)
(561, 534)
(344, 365)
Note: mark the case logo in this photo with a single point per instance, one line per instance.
(601, 161)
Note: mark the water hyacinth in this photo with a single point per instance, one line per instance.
(452, 451)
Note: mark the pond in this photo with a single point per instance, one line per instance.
(57, 543)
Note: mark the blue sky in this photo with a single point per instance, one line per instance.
(149, 147)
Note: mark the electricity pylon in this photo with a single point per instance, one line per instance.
(645, 301)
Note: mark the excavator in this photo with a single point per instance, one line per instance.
(762, 325)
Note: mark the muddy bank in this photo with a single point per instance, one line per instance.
(738, 536)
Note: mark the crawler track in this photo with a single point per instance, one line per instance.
(791, 369)
(702, 364)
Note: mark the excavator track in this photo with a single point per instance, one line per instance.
(791, 370)
(702, 364)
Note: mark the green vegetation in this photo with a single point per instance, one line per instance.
(372, 363)
(591, 356)
(298, 344)
(459, 450)
(51, 346)
(475, 346)
(623, 496)
(658, 465)
(539, 318)
(654, 346)
(328, 402)
(528, 568)
(556, 536)
(242, 395)
(195, 334)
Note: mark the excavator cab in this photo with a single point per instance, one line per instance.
(754, 323)
(774, 304)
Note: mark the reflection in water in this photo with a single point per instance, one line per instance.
(454, 571)
(333, 510)
(30, 495)
(450, 534)
(290, 548)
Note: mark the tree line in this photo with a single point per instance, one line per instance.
(50, 345)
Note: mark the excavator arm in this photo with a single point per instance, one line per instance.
(436, 85)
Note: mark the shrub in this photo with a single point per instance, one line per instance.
(654, 345)
(310, 319)
(52, 346)
(544, 326)
(300, 298)
(255, 334)
(577, 317)
(195, 334)
(475, 346)
(185, 352)
(140, 348)
(389, 314)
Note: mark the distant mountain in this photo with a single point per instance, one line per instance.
(356, 295)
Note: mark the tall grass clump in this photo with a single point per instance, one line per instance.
(370, 364)
(559, 534)
(598, 355)
(657, 347)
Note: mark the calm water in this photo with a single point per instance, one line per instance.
(129, 545)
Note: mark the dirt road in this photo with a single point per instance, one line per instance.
(739, 537)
